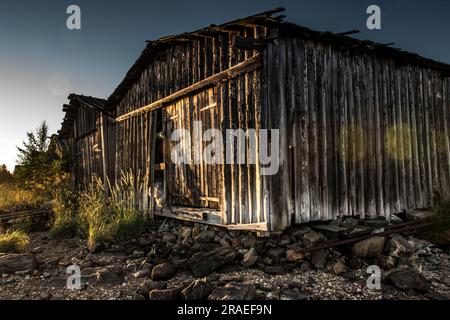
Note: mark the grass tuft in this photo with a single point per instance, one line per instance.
(110, 217)
(65, 206)
(13, 198)
(13, 241)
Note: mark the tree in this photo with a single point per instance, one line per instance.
(5, 176)
(36, 167)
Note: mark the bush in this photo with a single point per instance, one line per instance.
(113, 217)
(13, 241)
(13, 198)
(65, 206)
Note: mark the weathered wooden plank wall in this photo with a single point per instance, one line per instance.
(178, 66)
(88, 146)
(363, 135)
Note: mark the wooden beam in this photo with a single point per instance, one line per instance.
(206, 216)
(247, 66)
(248, 44)
(210, 199)
(104, 156)
(260, 227)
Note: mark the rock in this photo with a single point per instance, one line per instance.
(311, 238)
(224, 242)
(423, 253)
(275, 270)
(285, 240)
(160, 251)
(276, 253)
(408, 279)
(138, 254)
(339, 268)
(294, 294)
(165, 294)
(249, 241)
(306, 266)
(350, 223)
(163, 272)
(319, 259)
(97, 248)
(110, 275)
(170, 237)
(45, 296)
(131, 267)
(398, 246)
(204, 263)
(142, 242)
(37, 250)
(205, 236)
(388, 262)
(299, 233)
(204, 247)
(197, 290)
(12, 263)
(144, 273)
(369, 248)
(196, 230)
(185, 232)
(395, 219)
(250, 258)
(413, 215)
(234, 291)
(148, 285)
(294, 256)
(331, 231)
(273, 295)
(181, 250)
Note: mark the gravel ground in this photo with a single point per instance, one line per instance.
(112, 275)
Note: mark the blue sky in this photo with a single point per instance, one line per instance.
(41, 60)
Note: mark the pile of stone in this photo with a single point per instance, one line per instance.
(203, 253)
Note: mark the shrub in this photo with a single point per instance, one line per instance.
(13, 241)
(65, 205)
(110, 217)
(13, 198)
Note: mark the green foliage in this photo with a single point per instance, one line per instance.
(65, 206)
(13, 198)
(5, 176)
(38, 169)
(13, 241)
(110, 218)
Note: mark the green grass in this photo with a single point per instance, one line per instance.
(13, 241)
(65, 205)
(13, 198)
(110, 218)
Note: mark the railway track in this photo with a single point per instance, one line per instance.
(387, 231)
(8, 219)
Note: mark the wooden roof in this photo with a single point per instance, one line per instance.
(77, 101)
(267, 19)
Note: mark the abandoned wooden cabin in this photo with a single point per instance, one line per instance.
(363, 127)
(84, 132)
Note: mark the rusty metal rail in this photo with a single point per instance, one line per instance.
(401, 227)
(9, 218)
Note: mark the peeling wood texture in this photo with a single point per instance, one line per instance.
(365, 136)
(363, 127)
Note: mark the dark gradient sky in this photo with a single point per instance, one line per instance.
(40, 57)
